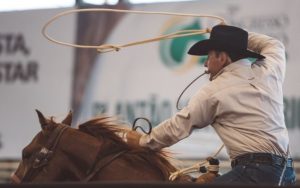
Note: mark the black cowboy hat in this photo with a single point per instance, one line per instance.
(225, 38)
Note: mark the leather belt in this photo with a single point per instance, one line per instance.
(261, 158)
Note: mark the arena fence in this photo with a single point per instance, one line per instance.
(6, 168)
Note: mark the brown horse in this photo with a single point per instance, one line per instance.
(93, 152)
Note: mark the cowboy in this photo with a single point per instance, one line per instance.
(243, 102)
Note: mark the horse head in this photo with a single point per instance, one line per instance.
(94, 151)
(56, 153)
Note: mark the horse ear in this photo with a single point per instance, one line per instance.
(43, 121)
(68, 119)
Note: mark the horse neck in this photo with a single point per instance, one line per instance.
(81, 149)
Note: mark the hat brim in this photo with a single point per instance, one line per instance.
(204, 46)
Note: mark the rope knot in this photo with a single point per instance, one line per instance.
(108, 48)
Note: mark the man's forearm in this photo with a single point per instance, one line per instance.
(272, 49)
(264, 44)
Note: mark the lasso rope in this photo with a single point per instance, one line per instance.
(194, 168)
(113, 47)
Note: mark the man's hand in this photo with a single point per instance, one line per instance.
(133, 138)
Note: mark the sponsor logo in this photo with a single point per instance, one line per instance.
(174, 52)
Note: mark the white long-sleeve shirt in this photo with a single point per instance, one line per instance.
(243, 103)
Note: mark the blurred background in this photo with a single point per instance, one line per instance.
(138, 81)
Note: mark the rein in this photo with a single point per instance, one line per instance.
(101, 164)
(184, 90)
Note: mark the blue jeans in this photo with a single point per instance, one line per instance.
(256, 173)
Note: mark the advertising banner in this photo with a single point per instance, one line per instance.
(146, 80)
(34, 74)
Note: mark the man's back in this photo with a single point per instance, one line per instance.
(246, 119)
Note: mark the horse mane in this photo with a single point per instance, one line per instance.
(110, 128)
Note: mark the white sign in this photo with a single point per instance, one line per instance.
(34, 74)
(146, 80)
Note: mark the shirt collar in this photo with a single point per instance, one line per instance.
(232, 66)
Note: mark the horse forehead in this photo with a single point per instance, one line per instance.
(42, 137)
(38, 139)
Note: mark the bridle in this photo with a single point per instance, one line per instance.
(43, 156)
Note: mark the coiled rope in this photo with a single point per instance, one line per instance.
(113, 47)
(195, 167)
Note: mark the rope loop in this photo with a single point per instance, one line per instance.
(111, 47)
